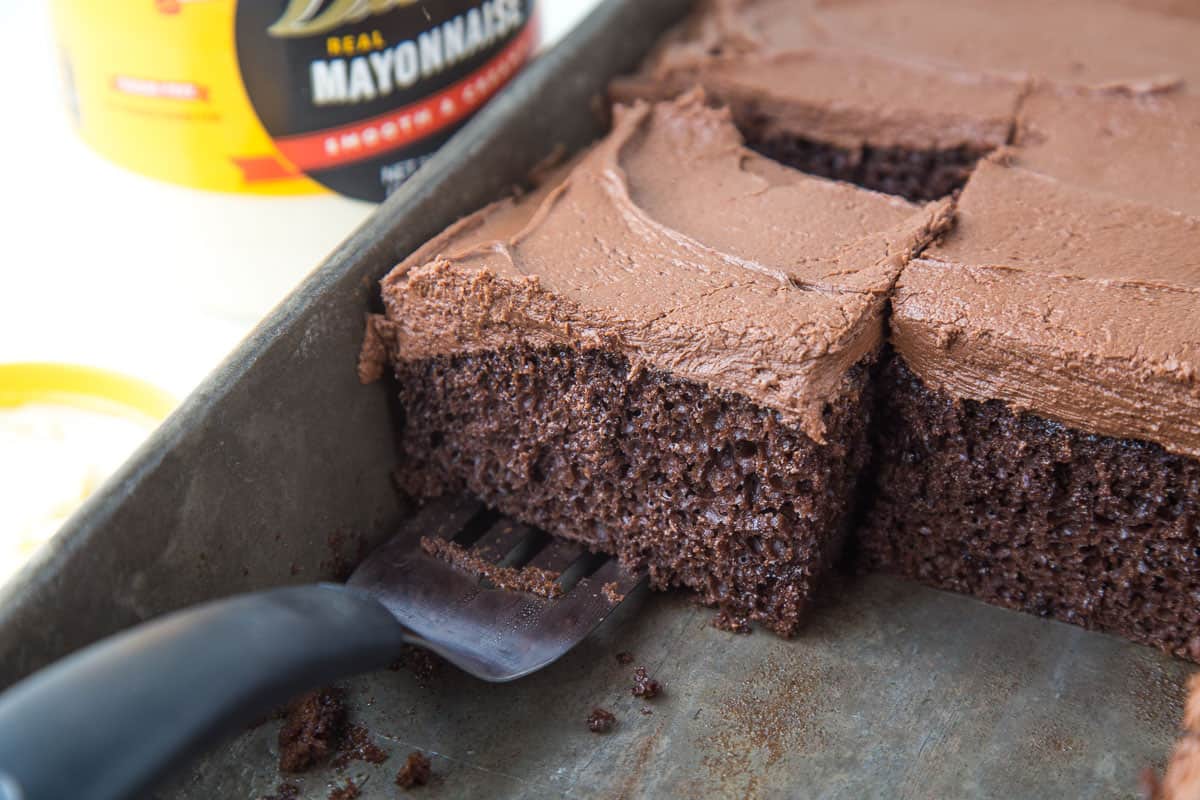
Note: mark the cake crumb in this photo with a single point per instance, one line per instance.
(356, 745)
(347, 550)
(534, 580)
(416, 771)
(372, 358)
(647, 711)
(734, 623)
(624, 657)
(1182, 778)
(347, 791)
(611, 594)
(601, 721)
(644, 686)
(312, 728)
(284, 791)
(423, 664)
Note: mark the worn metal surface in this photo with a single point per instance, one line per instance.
(278, 467)
(892, 691)
(281, 448)
(497, 634)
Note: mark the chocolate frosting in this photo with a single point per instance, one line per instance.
(923, 74)
(671, 243)
(1074, 305)
(1144, 148)
(777, 70)
(1084, 43)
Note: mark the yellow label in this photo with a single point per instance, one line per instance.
(284, 96)
(154, 85)
(82, 387)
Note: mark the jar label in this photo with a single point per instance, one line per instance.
(284, 96)
(358, 94)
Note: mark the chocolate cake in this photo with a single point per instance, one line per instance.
(1042, 426)
(886, 123)
(311, 729)
(601, 720)
(664, 353)
(904, 96)
(682, 350)
(417, 771)
(530, 579)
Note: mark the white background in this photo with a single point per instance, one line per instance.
(104, 267)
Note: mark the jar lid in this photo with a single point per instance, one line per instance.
(64, 428)
(82, 387)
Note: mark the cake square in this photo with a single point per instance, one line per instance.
(663, 353)
(904, 96)
(700, 359)
(1042, 434)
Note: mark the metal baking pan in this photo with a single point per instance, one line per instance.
(277, 468)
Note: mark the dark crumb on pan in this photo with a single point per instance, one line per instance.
(284, 791)
(611, 594)
(312, 728)
(422, 663)
(601, 721)
(644, 686)
(347, 791)
(416, 771)
(734, 623)
(624, 657)
(356, 745)
(346, 551)
(533, 580)
(647, 711)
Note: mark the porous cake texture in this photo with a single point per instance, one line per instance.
(1041, 420)
(741, 507)
(1033, 515)
(664, 353)
(684, 350)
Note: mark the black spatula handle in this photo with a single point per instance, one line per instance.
(104, 723)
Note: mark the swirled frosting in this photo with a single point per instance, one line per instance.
(672, 244)
(1142, 147)
(922, 74)
(1076, 305)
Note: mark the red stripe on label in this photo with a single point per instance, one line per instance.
(264, 168)
(372, 137)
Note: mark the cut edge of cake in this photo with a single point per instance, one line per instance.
(537, 370)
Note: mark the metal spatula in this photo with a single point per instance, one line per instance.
(103, 723)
